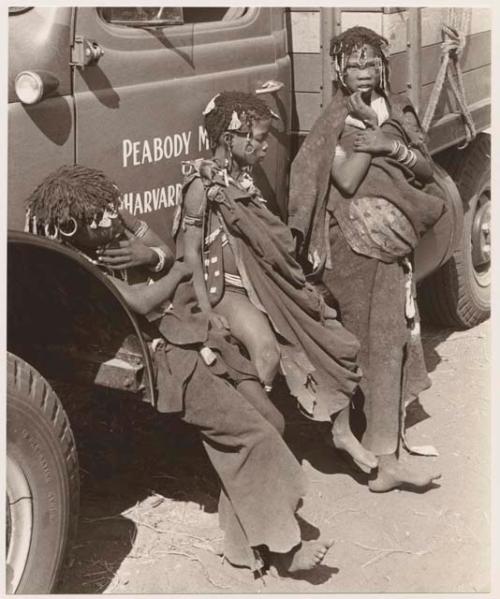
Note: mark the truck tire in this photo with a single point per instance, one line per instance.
(458, 294)
(42, 481)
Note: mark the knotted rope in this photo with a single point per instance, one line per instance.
(452, 47)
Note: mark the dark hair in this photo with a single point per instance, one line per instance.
(343, 44)
(72, 191)
(248, 108)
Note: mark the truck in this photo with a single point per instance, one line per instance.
(122, 89)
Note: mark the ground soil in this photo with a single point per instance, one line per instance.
(148, 521)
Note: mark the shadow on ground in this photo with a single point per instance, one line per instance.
(127, 452)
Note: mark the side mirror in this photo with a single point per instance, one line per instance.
(143, 16)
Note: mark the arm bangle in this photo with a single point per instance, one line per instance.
(396, 145)
(162, 258)
(411, 160)
(142, 229)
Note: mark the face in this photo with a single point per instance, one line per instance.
(249, 150)
(91, 238)
(362, 72)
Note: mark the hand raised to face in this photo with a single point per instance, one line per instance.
(359, 109)
(127, 253)
(373, 141)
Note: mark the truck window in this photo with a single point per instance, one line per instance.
(147, 16)
(18, 10)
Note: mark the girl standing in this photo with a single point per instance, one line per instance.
(364, 176)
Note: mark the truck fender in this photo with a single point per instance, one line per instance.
(54, 292)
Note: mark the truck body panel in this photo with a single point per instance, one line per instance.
(146, 94)
(310, 80)
(41, 137)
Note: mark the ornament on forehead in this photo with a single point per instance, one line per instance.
(243, 122)
(362, 59)
(106, 220)
(235, 123)
(210, 106)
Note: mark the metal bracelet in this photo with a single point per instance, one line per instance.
(142, 229)
(162, 259)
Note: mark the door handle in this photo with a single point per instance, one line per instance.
(85, 52)
(270, 87)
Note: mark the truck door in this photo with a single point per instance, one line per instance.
(142, 77)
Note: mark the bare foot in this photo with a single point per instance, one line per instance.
(344, 439)
(392, 475)
(307, 556)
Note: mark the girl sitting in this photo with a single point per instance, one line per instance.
(247, 279)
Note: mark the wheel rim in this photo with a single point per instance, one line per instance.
(481, 238)
(19, 528)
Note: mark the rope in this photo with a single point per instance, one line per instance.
(453, 44)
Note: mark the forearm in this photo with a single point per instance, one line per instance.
(422, 168)
(131, 294)
(152, 240)
(414, 160)
(162, 290)
(194, 261)
(349, 172)
(143, 298)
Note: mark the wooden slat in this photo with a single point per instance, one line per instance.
(395, 29)
(305, 29)
(394, 26)
(477, 54)
(307, 110)
(305, 25)
(373, 20)
(477, 85)
(450, 130)
(433, 18)
(306, 72)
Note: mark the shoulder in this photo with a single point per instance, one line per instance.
(204, 169)
(194, 196)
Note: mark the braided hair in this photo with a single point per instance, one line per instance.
(70, 192)
(248, 108)
(354, 38)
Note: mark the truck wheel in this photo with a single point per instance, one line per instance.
(458, 294)
(42, 481)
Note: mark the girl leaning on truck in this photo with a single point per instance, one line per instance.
(363, 176)
(200, 374)
(247, 279)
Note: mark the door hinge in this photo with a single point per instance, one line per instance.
(85, 52)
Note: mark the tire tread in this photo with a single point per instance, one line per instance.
(22, 377)
(444, 297)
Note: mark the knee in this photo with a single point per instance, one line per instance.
(268, 355)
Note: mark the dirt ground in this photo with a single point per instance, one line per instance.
(148, 518)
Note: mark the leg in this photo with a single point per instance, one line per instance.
(371, 303)
(344, 439)
(262, 480)
(251, 327)
(253, 392)
(389, 345)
